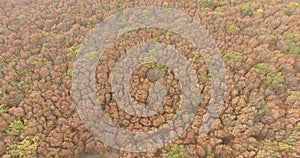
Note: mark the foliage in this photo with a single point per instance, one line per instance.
(90, 57)
(293, 49)
(274, 38)
(245, 10)
(202, 79)
(196, 54)
(283, 146)
(260, 10)
(70, 73)
(295, 4)
(73, 50)
(24, 149)
(21, 17)
(97, 6)
(13, 28)
(286, 11)
(292, 39)
(21, 84)
(235, 56)
(208, 153)
(227, 118)
(252, 148)
(13, 58)
(263, 66)
(24, 72)
(271, 151)
(155, 65)
(297, 126)
(14, 83)
(209, 4)
(274, 81)
(41, 60)
(16, 127)
(262, 110)
(265, 1)
(176, 151)
(233, 28)
(120, 6)
(168, 34)
(206, 3)
(3, 108)
(294, 93)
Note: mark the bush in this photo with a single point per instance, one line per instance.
(209, 4)
(176, 151)
(286, 11)
(235, 56)
(263, 66)
(283, 146)
(3, 108)
(73, 50)
(245, 10)
(295, 4)
(16, 127)
(274, 81)
(233, 28)
(26, 148)
(297, 126)
(292, 39)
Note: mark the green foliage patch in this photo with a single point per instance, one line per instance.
(3, 108)
(209, 4)
(297, 126)
(286, 11)
(208, 153)
(17, 126)
(274, 81)
(263, 66)
(73, 50)
(292, 40)
(295, 4)
(176, 151)
(235, 56)
(245, 10)
(24, 149)
(284, 146)
(233, 28)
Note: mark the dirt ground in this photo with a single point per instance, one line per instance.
(259, 42)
